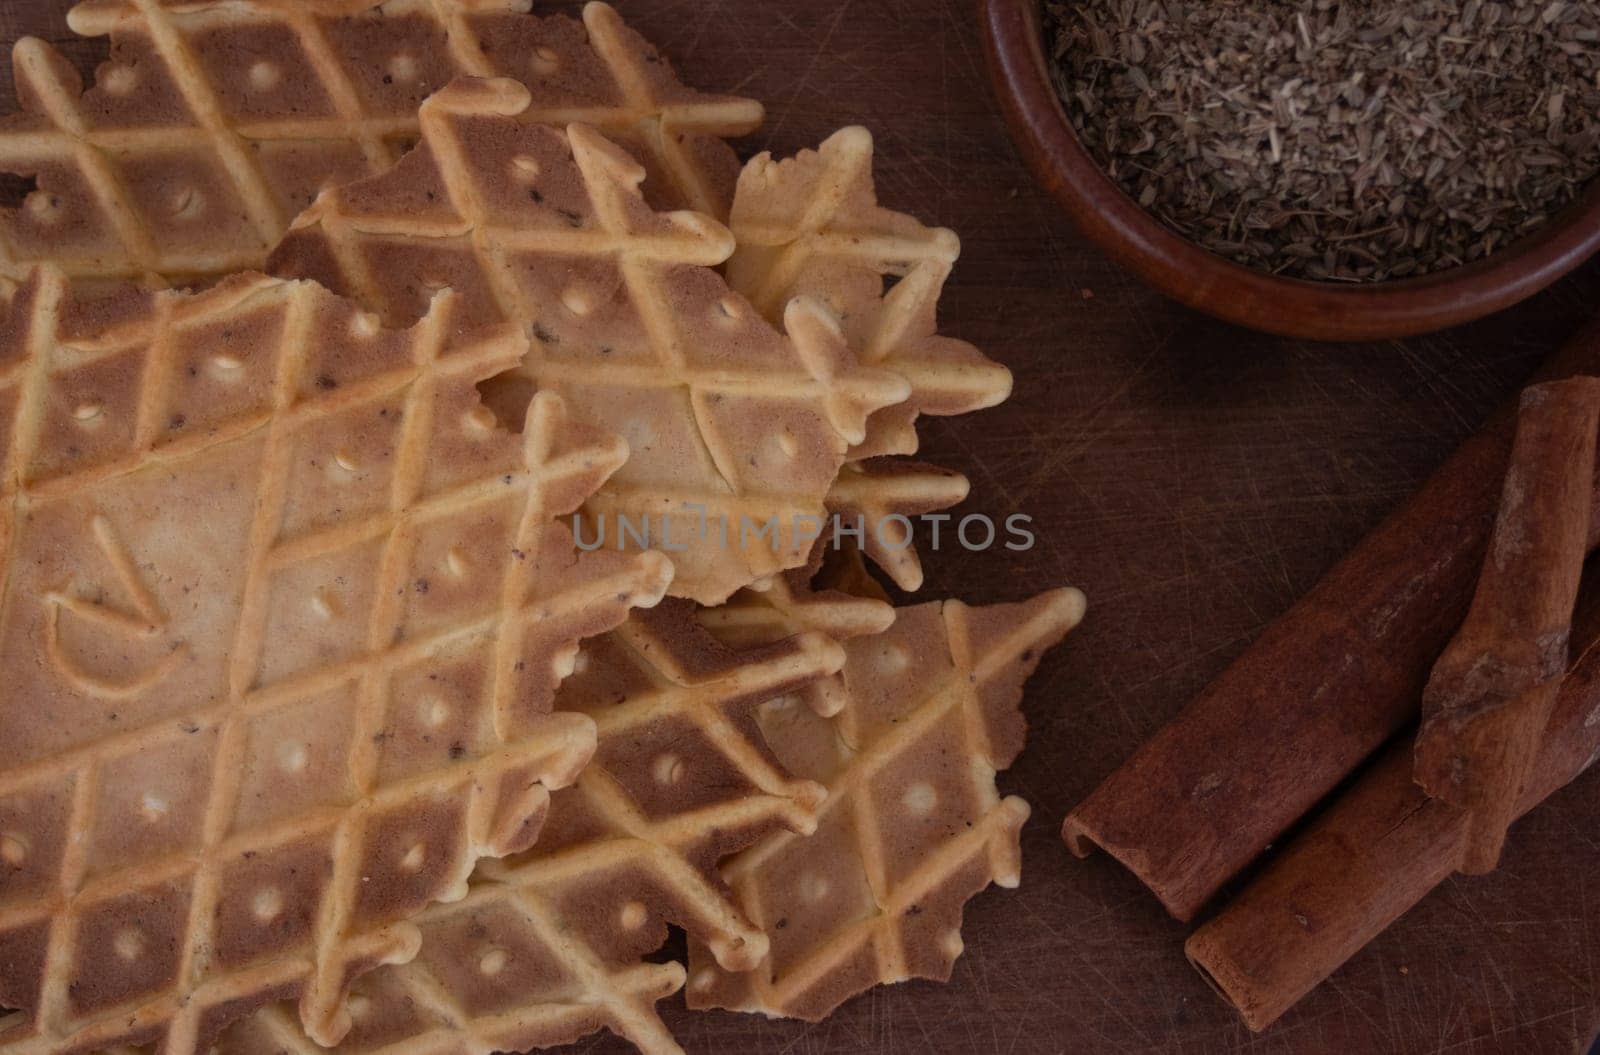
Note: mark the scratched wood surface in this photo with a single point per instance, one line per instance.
(1194, 480)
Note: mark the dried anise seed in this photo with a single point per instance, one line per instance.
(1350, 141)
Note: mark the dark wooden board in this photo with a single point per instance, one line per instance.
(1194, 480)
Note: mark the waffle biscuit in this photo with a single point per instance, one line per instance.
(793, 603)
(217, 121)
(737, 432)
(550, 946)
(913, 825)
(283, 617)
(790, 604)
(811, 226)
(883, 499)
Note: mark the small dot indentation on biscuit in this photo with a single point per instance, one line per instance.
(730, 308)
(153, 807)
(667, 769)
(411, 860)
(545, 61)
(457, 563)
(404, 68)
(120, 80)
(13, 849)
(577, 301)
(894, 660)
(293, 756)
(788, 445)
(226, 366)
(267, 904)
(634, 915)
(525, 168)
(187, 204)
(43, 207)
(359, 1006)
(480, 421)
(265, 76)
(346, 461)
(493, 962)
(90, 410)
(324, 604)
(435, 712)
(365, 325)
(920, 799)
(814, 887)
(129, 944)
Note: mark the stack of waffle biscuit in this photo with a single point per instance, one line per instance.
(421, 582)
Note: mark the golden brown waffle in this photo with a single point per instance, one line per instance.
(283, 619)
(791, 604)
(913, 826)
(811, 226)
(217, 121)
(883, 499)
(733, 427)
(550, 946)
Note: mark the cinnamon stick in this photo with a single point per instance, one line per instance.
(1374, 854)
(1489, 699)
(1319, 693)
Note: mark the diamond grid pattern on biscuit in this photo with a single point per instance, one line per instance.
(550, 945)
(793, 604)
(288, 613)
(811, 226)
(216, 122)
(737, 432)
(913, 825)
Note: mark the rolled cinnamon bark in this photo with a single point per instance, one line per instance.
(1320, 691)
(1489, 698)
(1376, 852)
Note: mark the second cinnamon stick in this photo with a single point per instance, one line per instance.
(1375, 853)
(1489, 699)
(1319, 692)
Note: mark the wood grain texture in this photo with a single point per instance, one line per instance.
(1194, 480)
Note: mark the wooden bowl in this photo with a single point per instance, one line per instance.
(1330, 311)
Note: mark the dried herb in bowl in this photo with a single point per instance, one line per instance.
(1354, 141)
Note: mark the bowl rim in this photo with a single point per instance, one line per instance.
(1182, 269)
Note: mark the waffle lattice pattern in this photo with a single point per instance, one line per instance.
(913, 826)
(811, 226)
(550, 946)
(733, 427)
(217, 122)
(794, 603)
(284, 615)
